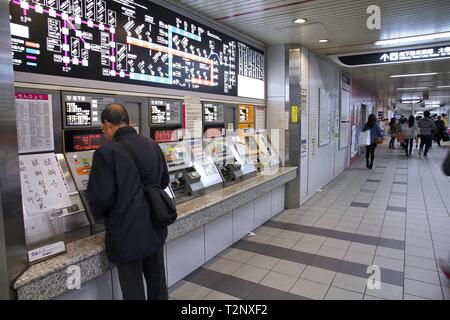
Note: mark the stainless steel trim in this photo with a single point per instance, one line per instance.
(13, 255)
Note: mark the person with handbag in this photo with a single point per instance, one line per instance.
(393, 132)
(376, 137)
(134, 240)
(417, 130)
(407, 130)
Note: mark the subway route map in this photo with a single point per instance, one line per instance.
(128, 41)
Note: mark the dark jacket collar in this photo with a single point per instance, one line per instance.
(124, 131)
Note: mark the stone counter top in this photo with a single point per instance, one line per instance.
(47, 279)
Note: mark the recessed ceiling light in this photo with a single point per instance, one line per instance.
(300, 20)
(424, 37)
(414, 75)
(323, 40)
(416, 88)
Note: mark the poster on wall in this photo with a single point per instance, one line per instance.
(134, 42)
(34, 120)
(324, 117)
(344, 119)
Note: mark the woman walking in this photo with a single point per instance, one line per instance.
(376, 135)
(417, 130)
(393, 131)
(408, 130)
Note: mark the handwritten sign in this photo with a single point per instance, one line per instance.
(34, 122)
(43, 186)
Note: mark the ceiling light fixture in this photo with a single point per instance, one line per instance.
(300, 20)
(414, 75)
(323, 40)
(424, 37)
(416, 88)
(441, 87)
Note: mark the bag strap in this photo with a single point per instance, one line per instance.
(134, 157)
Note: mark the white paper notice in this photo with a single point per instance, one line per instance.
(193, 116)
(43, 187)
(324, 117)
(34, 122)
(283, 120)
(260, 118)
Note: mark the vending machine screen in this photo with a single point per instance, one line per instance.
(78, 113)
(165, 136)
(83, 140)
(158, 114)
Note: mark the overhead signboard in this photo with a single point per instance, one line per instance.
(391, 57)
(134, 42)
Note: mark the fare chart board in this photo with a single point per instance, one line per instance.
(131, 41)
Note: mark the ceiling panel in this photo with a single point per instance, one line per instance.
(343, 22)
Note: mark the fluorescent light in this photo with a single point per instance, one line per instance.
(424, 37)
(410, 101)
(414, 75)
(412, 98)
(300, 20)
(416, 88)
(440, 87)
(323, 40)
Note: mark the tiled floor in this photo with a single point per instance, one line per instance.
(395, 216)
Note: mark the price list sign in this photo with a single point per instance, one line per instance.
(34, 122)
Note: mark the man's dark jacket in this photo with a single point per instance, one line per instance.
(116, 193)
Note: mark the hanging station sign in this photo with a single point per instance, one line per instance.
(391, 57)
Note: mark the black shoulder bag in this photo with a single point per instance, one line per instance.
(162, 207)
(446, 165)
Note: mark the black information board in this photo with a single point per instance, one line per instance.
(128, 41)
(213, 113)
(78, 113)
(158, 114)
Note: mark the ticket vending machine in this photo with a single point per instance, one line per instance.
(81, 137)
(268, 158)
(225, 156)
(256, 148)
(204, 164)
(165, 119)
(185, 181)
(81, 114)
(219, 119)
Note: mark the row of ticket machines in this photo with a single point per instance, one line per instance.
(230, 150)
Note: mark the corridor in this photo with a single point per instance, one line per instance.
(395, 216)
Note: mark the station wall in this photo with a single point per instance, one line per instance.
(318, 164)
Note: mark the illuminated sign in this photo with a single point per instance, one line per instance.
(391, 57)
